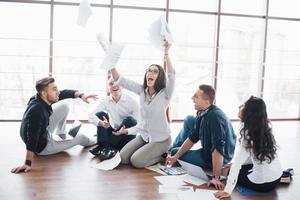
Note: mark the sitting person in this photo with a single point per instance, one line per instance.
(258, 145)
(113, 116)
(40, 122)
(155, 93)
(214, 130)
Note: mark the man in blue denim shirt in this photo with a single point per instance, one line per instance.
(214, 130)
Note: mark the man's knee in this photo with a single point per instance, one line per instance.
(63, 108)
(129, 122)
(101, 115)
(189, 121)
(174, 151)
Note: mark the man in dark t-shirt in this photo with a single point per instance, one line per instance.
(40, 121)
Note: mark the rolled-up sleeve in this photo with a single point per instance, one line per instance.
(217, 127)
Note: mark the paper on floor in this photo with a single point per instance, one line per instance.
(174, 189)
(198, 194)
(109, 164)
(170, 180)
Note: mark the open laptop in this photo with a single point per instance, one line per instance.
(194, 170)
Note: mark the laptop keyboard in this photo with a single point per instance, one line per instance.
(172, 170)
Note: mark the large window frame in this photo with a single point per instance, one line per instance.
(218, 13)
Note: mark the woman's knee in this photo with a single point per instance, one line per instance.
(138, 161)
(125, 157)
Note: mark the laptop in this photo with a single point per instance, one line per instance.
(194, 170)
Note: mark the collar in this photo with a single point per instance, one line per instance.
(122, 98)
(43, 103)
(201, 113)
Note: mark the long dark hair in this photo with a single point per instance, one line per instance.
(257, 131)
(160, 82)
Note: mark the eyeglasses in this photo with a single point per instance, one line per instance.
(153, 71)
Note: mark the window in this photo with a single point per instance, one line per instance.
(24, 46)
(78, 55)
(192, 56)
(282, 76)
(240, 58)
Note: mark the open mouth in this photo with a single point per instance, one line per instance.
(150, 79)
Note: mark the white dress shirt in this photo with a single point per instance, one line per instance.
(153, 125)
(261, 172)
(117, 111)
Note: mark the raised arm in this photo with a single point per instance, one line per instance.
(126, 83)
(169, 66)
(115, 74)
(170, 72)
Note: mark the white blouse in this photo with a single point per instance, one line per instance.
(153, 125)
(261, 172)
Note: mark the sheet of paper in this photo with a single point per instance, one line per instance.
(170, 180)
(159, 33)
(102, 41)
(198, 194)
(156, 168)
(109, 164)
(84, 13)
(192, 180)
(113, 54)
(173, 189)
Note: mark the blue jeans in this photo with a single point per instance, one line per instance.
(194, 157)
(104, 135)
(187, 129)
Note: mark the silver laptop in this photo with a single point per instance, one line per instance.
(194, 170)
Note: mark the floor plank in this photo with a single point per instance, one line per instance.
(69, 175)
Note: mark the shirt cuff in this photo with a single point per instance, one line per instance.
(132, 131)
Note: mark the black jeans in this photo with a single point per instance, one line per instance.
(244, 181)
(104, 135)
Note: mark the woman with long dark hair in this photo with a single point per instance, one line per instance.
(256, 165)
(154, 131)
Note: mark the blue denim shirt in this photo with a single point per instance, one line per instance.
(214, 130)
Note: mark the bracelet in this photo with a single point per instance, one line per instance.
(80, 95)
(166, 54)
(28, 162)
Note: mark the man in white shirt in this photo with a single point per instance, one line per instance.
(114, 116)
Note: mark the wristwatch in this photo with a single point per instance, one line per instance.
(216, 177)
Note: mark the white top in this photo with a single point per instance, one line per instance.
(261, 172)
(117, 111)
(153, 125)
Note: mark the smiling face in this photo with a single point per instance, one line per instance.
(114, 89)
(151, 75)
(200, 102)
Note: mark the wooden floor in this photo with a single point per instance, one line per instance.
(69, 176)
